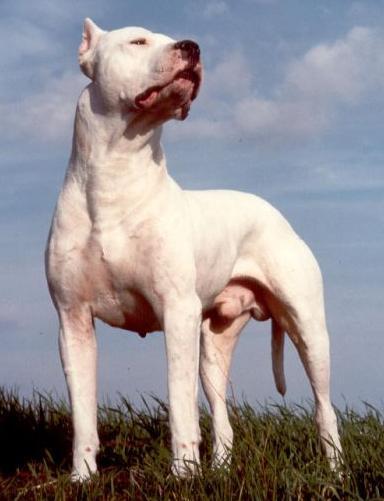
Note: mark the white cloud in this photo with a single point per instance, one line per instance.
(48, 114)
(340, 72)
(229, 78)
(53, 15)
(215, 8)
(25, 39)
(277, 120)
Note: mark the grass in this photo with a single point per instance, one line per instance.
(276, 454)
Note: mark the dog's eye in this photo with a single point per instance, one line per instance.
(138, 41)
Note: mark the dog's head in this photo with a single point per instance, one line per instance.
(138, 71)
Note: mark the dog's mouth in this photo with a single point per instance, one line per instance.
(179, 92)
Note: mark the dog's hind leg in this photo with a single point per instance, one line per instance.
(77, 342)
(294, 293)
(218, 340)
(312, 343)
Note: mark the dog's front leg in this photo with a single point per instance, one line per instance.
(182, 320)
(78, 355)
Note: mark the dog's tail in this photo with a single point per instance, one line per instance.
(278, 357)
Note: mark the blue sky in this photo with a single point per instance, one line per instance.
(291, 109)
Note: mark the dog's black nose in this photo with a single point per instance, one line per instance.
(192, 49)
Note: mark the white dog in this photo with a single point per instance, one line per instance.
(130, 247)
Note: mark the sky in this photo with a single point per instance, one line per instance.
(291, 109)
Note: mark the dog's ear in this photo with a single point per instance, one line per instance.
(91, 35)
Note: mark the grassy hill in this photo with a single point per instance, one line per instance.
(276, 455)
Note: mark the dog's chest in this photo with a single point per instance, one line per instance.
(118, 272)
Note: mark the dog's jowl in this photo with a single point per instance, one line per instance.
(130, 247)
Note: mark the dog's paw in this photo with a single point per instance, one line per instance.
(84, 473)
(183, 468)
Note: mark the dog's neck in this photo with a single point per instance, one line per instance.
(114, 154)
(103, 136)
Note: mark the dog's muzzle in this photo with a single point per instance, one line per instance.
(190, 56)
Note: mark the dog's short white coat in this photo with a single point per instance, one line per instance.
(130, 247)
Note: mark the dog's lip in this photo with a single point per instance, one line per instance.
(190, 73)
(145, 96)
